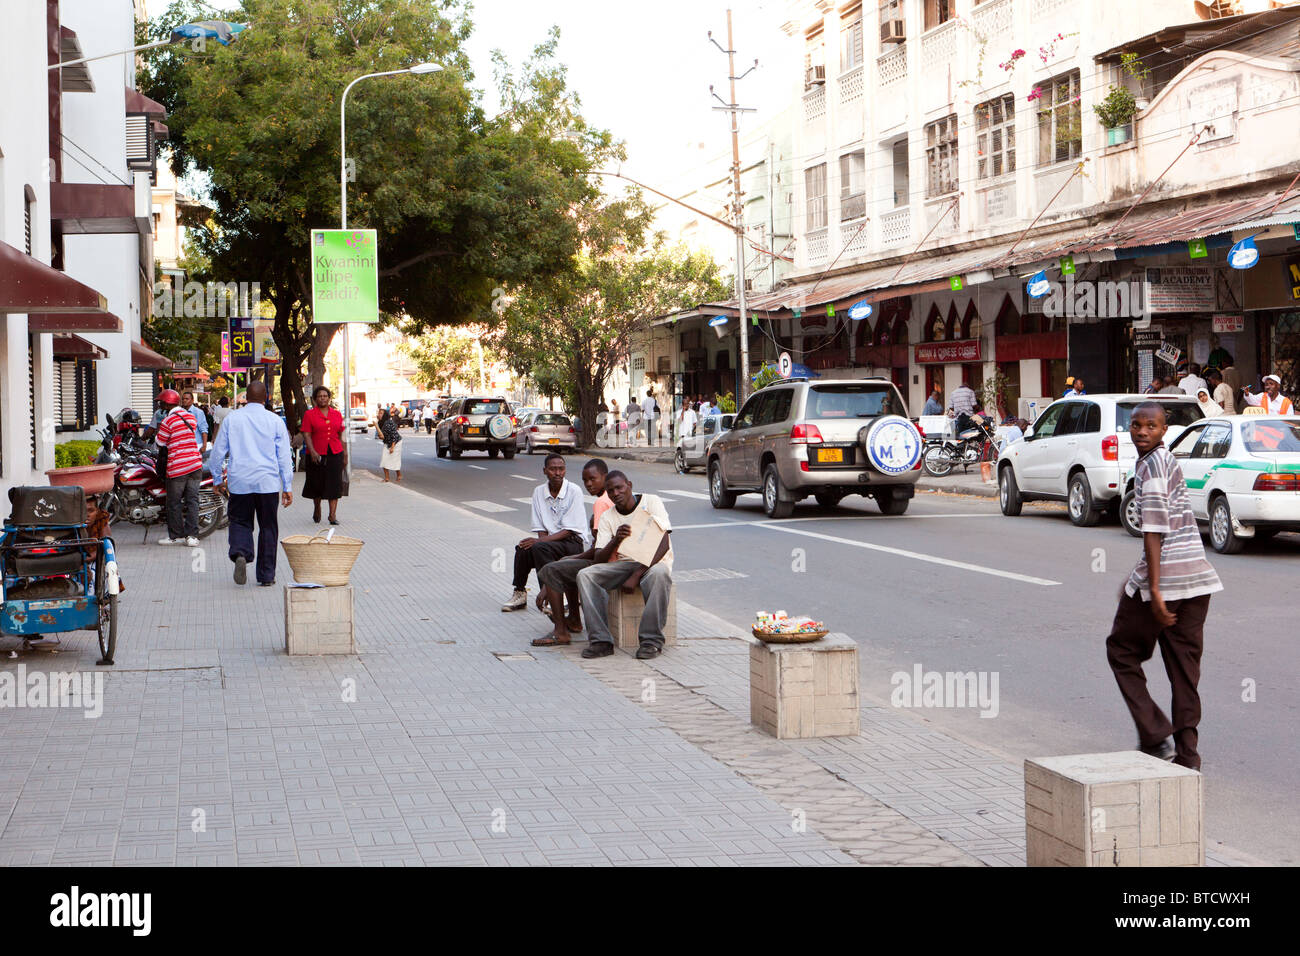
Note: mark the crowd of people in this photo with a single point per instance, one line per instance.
(646, 419)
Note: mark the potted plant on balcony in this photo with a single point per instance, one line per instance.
(1116, 113)
(74, 464)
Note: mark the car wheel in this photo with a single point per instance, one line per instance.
(1082, 513)
(455, 449)
(438, 446)
(1129, 515)
(1009, 493)
(891, 502)
(493, 452)
(528, 446)
(828, 499)
(509, 453)
(773, 506)
(719, 496)
(1222, 537)
(679, 462)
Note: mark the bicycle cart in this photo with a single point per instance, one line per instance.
(55, 577)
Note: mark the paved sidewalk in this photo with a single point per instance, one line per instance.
(447, 739)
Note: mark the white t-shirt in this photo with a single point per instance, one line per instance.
(705, 409)
(219, 413)
(428, 411)
(611, 519)
(689, 422)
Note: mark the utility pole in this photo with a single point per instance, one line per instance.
(738, 203)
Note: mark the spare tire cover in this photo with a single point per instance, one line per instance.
(893, 445)
(499, 426)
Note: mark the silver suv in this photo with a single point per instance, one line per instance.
(480, 424)
(827, 439)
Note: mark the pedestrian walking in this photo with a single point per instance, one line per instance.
(559, 525)
(391, 459)
(428, 418)
(1191, 382)
(182, 466)
(250, 463)
(1222, 393)
(650, 412)
(219, 415)
(689, 420)
(1165, 600)
(327, 456)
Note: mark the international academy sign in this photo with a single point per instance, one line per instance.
(344, 275)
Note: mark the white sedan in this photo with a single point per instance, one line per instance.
(1243, 478)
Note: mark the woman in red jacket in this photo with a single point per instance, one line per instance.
(322, 430)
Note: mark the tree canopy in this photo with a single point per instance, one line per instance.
(463, 203)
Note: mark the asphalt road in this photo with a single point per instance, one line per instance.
(955, 586)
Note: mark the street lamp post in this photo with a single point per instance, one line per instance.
(419, 69)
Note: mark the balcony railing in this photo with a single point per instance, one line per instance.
(1042, 9)
(818, 246)
(896, 227)
(993, 19)
(892, 66)
(814, 104)
(855, 237)
(939, 45)
(851, 86)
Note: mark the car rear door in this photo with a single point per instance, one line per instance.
(773, 429)
(743, 452)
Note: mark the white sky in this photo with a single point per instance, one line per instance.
(642, 70)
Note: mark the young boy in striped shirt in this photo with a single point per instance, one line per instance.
(1165, 599)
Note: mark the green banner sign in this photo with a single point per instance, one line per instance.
(1196, 249)
(344, 275)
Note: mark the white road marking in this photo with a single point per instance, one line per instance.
(490, 506)
(685, 494)
(929, 558)
(479, 467)
(528, 477)
(523, 501)
(860, 516)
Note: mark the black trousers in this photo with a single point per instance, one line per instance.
(183, 494)
(541, 554)
(1133, 639)
(265, 507)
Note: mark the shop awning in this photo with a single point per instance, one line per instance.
(143, 357)
(29, 285)
(97, 209)
(68, 322)
(75, 78)
(75, 347)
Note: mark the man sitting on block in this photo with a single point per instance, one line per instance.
(560, 526)
(559, 579)
(632, 550)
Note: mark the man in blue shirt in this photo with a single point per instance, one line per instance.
(200, 420)
(250, 463)
(934, 404)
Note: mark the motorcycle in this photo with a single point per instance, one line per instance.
(974, 444)
(139, 495)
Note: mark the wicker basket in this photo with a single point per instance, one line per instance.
(771, 637)
(317, 561)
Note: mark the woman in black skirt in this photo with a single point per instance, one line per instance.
(322, 429)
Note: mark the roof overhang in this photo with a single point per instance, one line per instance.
(97, 209)
(143, 357)
(75, 78)
(1198, 36)
(69, 346)
(66, 322)
(29, 285)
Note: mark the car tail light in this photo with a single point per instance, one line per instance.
(462, 420)
(514, 421)
(803, 466)
(1277, 481)
(572, 430)
(1110, 448)
(803, 434)
(534, 429)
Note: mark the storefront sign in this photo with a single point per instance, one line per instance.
(1149, 338)
(1293, 275)
(1229, 323)
(1180, 289)
(940, 353)
(188, 363)
(1169, 354)
(243, 345)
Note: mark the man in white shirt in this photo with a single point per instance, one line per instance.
(648, 413)
(1272, 401)
(1191, 383)
(613, 571)
(428, 418)
(560, 524)
(706, 408)
(689, 421)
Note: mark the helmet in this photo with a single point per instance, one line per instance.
(128, 415)
(169, 396)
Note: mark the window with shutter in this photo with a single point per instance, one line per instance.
(139, 141)
(31, 395)
(995, 136)
(851, 40)
(1060, 116)
(815, 191)
(941, 156)
(853, 185)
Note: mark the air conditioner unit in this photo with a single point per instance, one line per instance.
(816, 76)
(892, 31)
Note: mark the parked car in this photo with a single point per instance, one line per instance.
(692, 452)
(827, 439)
(478, 424)
(359, 420)
(1078, 451)
(549, 430)
(1243, 478)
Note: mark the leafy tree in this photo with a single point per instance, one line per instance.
(463, 203)
(447, 354)
(581, 323)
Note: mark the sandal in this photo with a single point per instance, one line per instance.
(575, 627)
(548, 641)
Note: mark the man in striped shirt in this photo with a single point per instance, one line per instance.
(177, 433)
(1165, 599)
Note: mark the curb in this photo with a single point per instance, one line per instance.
(975, 488)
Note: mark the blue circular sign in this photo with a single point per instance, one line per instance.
(893, 445)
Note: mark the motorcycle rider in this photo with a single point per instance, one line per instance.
(178, 436)
(961, 404)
